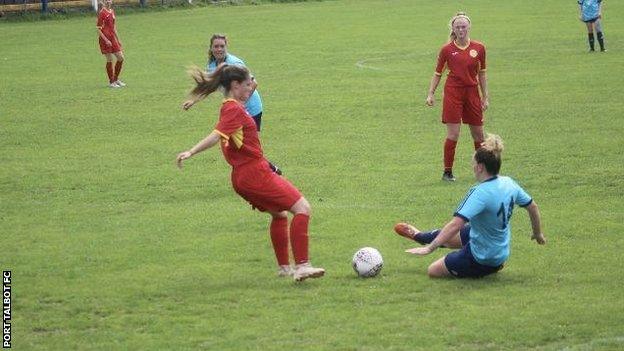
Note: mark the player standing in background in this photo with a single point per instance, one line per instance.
(110, 45)
(465, 60)
(251, 176)
(485, 243)
(591, 14)
(218, 54)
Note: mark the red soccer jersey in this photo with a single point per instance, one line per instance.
(239, 136)
(106, 23)
(464, 64)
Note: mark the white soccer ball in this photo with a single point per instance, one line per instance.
(367, 262)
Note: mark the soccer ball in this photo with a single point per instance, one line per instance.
(367, 262)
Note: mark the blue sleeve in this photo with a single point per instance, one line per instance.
(472, 205)
(233, 60)
(522, 198)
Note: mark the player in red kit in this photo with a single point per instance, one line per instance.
(465, 60)
(110, 45)
(251, 177)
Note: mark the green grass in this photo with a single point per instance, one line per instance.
(113, 248)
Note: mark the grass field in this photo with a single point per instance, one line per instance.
(113, 248)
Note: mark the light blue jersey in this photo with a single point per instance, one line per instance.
(488, 207)
(590, 9)
(254, 104)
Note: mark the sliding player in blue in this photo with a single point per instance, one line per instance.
(484, 243)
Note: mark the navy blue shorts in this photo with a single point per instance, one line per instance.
(462, 264)
(258, 119)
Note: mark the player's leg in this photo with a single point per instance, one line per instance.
(450, 145)
(410, 232)
(109, 70)
(590, 35)
(120, 59)
(299, 241)
(599, 35)
(461, 264)
(438, 269)
(452, 109)
(473, 116)
(477, 135)
(278, 230)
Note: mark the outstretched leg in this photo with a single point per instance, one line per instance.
(410, 232)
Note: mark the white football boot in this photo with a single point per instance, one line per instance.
(305, 270)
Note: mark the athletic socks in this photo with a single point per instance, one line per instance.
(477, 144)
(279, 239)
(118, 65)
(109, 72)
(425, 238)
(601, 41)
(299, 237)
(449, 154)
(590, 37)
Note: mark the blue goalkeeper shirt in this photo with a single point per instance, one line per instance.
(254, 104)
(488, 207)
(590, 9)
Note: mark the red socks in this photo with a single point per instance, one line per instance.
(477, 144)
(299, 237)
(279, 238)
(109, 72)
(449, 154)
(118, 65)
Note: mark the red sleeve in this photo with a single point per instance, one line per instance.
(482, 58)
(441, 61)
(229, 119)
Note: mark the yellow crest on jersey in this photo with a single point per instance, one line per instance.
(473, 53)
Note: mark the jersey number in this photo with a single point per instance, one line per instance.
(505, 215)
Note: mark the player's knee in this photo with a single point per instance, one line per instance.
(452, 135)
(435, 271)
(302, 207)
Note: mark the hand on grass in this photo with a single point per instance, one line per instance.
(421, 251)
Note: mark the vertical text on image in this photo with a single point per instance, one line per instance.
(6, 309)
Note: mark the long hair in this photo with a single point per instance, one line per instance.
(211, 57)
(457, 16)
(489, 154)
(223, 76)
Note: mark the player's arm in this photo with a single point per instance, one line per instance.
(450, 230)
(117, 35)
(580, 11)
(485, 95)
(536, 223)
(106, 41)
(437, 75)
(435, 81)
(211, 140)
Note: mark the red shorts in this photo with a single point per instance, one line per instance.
(113, 48)
(264, 189)
(462, 104)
